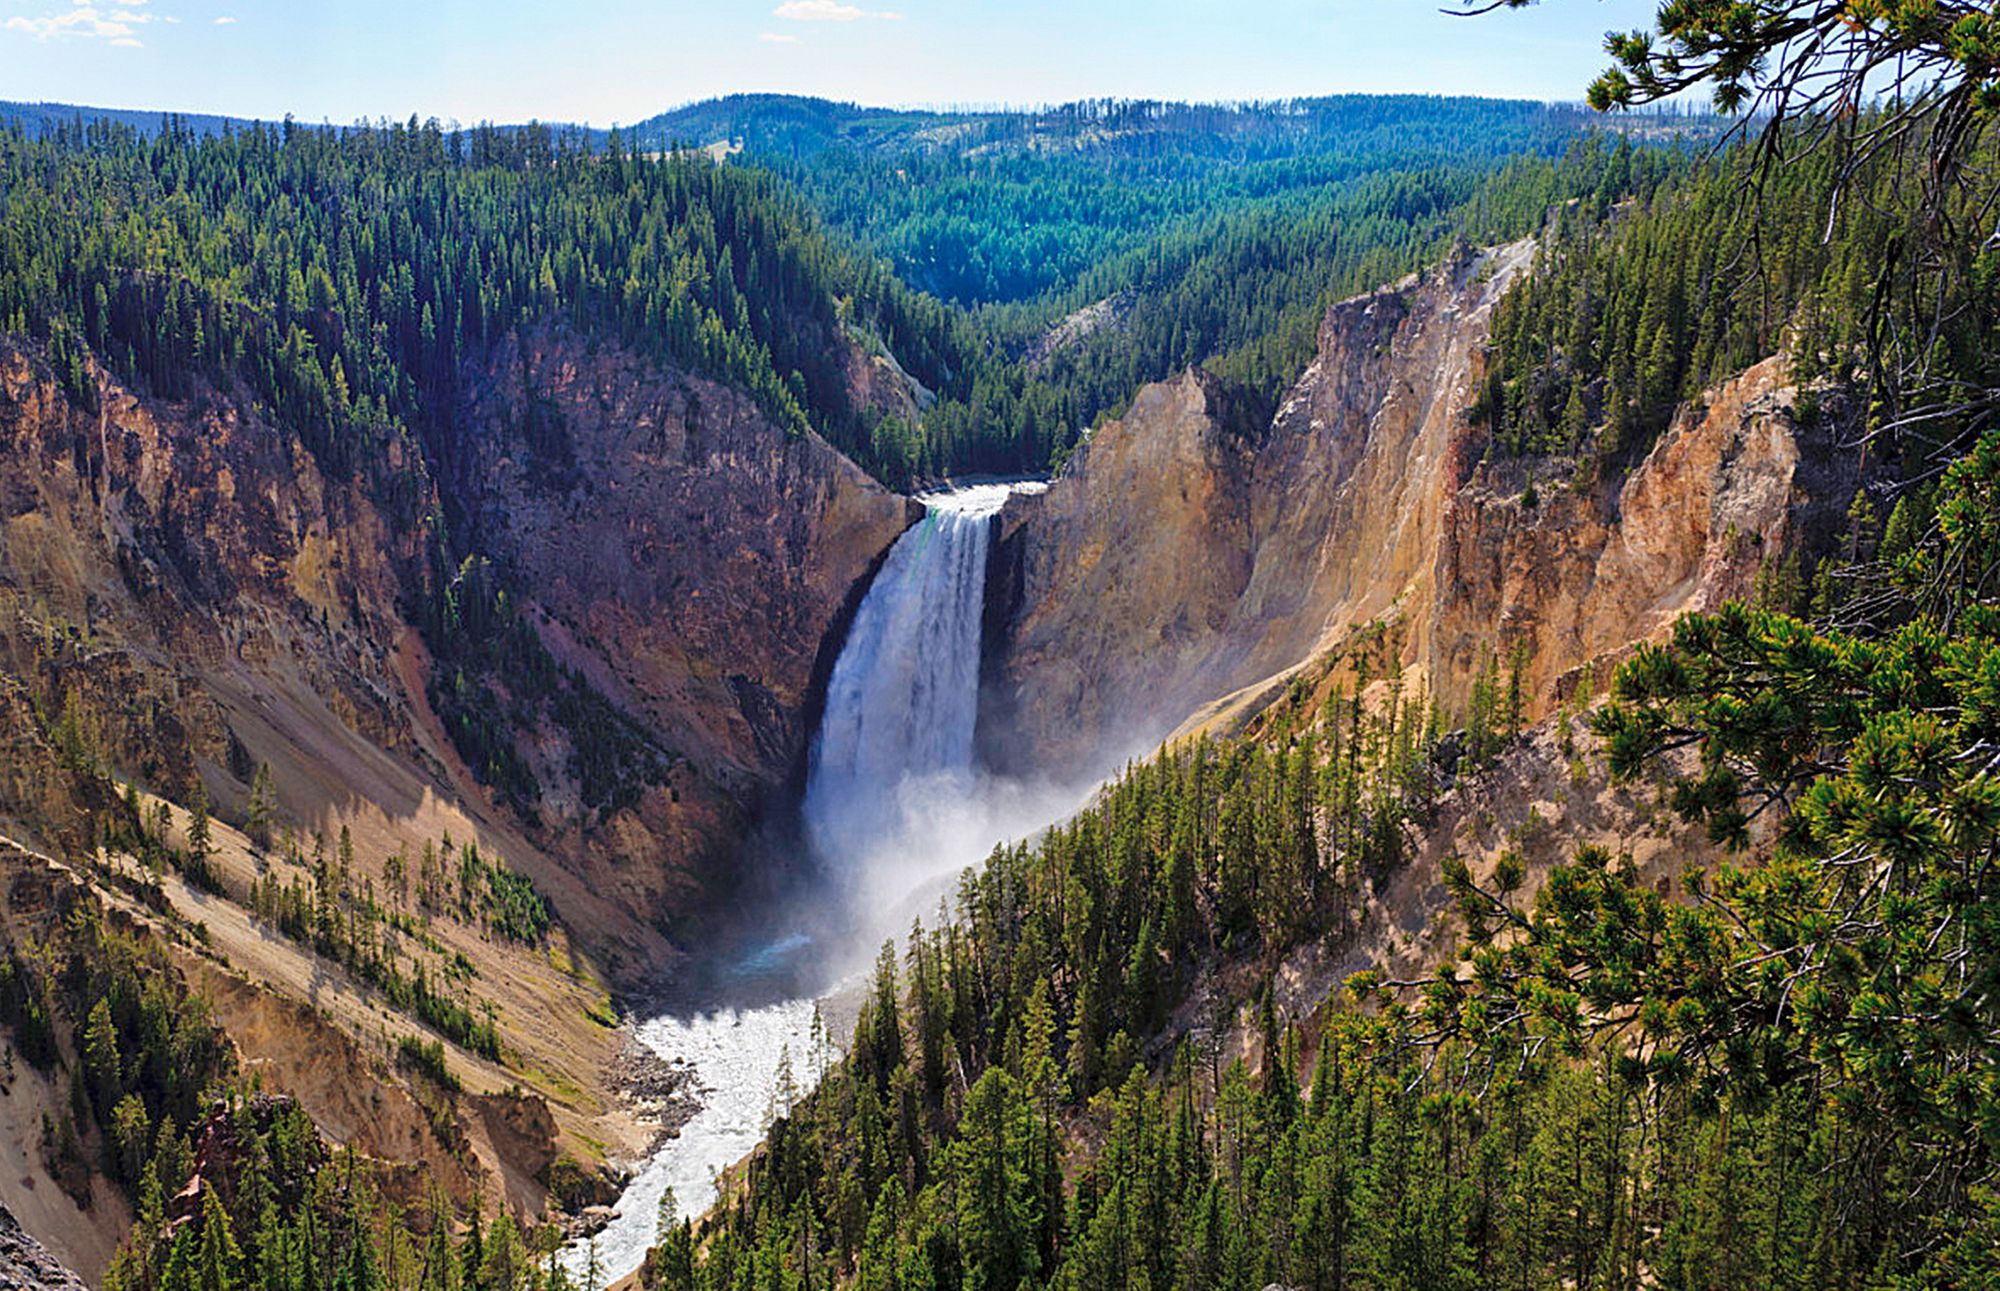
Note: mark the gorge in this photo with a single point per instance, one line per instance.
(1013, 645)
(1185, 568)
(1352, 692)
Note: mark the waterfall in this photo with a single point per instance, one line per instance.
(893, 805)
(896, 736)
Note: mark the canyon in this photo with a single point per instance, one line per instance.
(184, 583)
(188, 604)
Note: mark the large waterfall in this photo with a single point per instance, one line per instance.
(893, 805)
(897, 731)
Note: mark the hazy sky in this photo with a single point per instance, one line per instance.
(613, 61)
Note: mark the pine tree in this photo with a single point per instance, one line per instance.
(198, 842)
(220, 1261)
(103, 1062)
(263, 805)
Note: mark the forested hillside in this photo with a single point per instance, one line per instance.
(352, 287)
(1639, 305)
(350, 275)
(1189, 234)
(1013, 206)
(1239, 291)
(38, 118)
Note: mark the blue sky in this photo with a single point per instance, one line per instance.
(613, 61)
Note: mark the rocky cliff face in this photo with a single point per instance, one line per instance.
(1115, 587)
(184, 578)
(1187, 559)
(1282, 537)
(26, 1265)
(1588, 570)
(185, 598)
(163, 566)
(688, 558)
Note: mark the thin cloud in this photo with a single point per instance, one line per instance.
(827, 11)
(85, 21)
(777, 38)
(224, 21)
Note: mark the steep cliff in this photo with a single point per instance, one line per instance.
(1186, 559)
(1578, 571)
(1110, 593)
(189, 604)
(1283, 537)
(184, 578)
(156, 563)
(687, 558)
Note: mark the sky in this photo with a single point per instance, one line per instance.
(609, 62)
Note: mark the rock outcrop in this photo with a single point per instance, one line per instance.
(1187, 561)
(1110, 593)
(26, 1265)
(1586, 571)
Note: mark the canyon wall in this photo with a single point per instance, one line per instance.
(187, 599)
(692, 561)
(1188, 560)
(186, 579)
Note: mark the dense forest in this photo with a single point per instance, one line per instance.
(1242, 291)
(1015, 207)
(349, 277)
(1639, 304)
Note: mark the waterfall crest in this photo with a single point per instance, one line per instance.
(904, 696)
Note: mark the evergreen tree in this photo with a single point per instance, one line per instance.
(263, 805)
(198, 843)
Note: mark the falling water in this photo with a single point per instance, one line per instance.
(893, 803)
(900, 708)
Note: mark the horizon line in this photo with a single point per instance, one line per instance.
(930, 107)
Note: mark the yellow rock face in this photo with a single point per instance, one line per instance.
(1187, 559)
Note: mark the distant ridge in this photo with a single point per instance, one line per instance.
(797, 125)
(38, 118)
(800, 126)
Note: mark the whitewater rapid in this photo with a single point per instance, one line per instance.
(736, 1055)
(894, 806)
